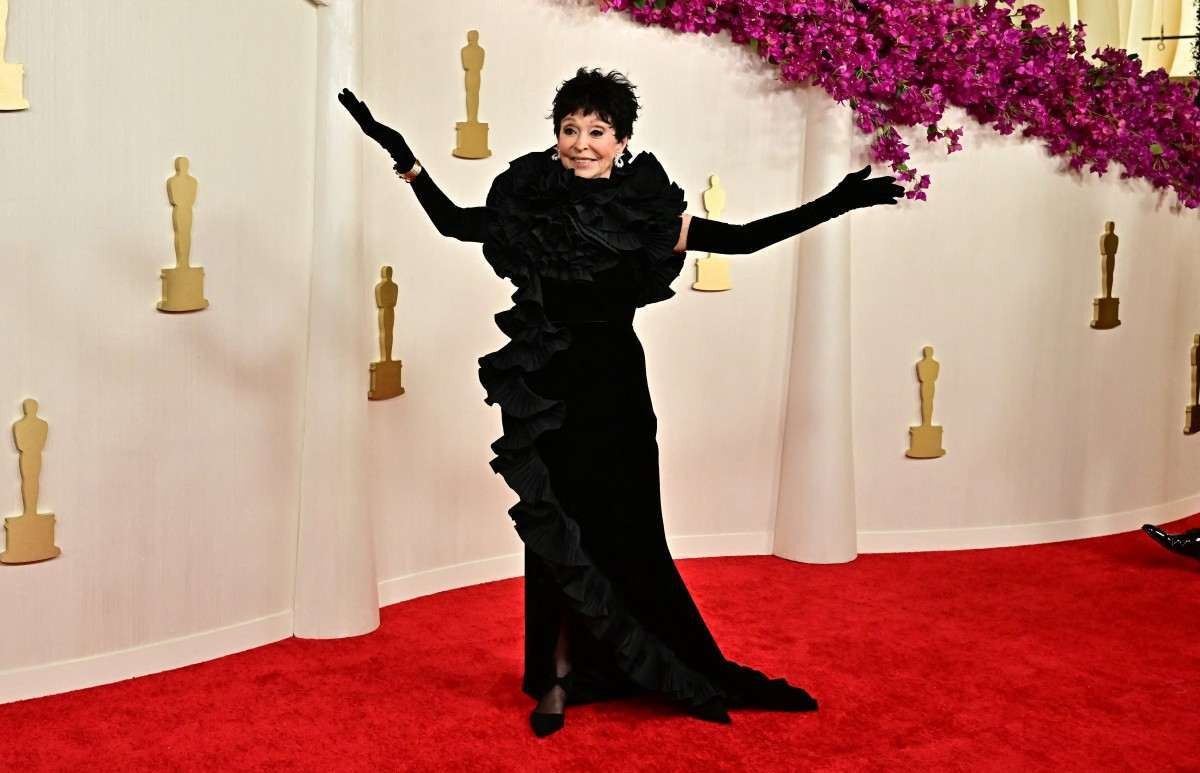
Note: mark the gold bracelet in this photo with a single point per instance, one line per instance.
(411, 174)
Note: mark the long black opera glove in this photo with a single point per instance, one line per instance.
(467, 224)
(853, 192)
(389, 138)
(464, 224)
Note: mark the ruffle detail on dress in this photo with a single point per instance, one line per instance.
(746, 687)
(546, 223)
(544, 220)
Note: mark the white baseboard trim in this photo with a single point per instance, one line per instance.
(746, 543)
(443, 578)
(1024, 533)
(108, 667)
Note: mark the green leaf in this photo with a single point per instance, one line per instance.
(660, 4)
(754, 45)
(1156, 149)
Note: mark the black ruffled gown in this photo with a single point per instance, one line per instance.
(579, 444)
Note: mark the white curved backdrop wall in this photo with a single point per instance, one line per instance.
(179, 447)
(1053, 430)
(173, 455)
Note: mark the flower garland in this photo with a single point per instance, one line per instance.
(902, 63)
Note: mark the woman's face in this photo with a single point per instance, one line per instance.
(588, 145)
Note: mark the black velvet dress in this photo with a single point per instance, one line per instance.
(579, 445)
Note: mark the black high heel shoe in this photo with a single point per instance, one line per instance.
(1185, 544)
(544, 723)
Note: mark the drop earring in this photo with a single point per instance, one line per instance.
(554, 156)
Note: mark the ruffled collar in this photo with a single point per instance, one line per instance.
(543, 219)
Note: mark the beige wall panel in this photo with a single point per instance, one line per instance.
(1046, 419)
(1184, 63)
(1182, 456)
(1057, 12)
(173, 461)
(1144, 18)
(1104, 22)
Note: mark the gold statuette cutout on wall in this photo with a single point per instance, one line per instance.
(11, 75)
(385, 374)
(182, 286)
(1191, 420)
(925, 441)
(472, 135)
(30, 536)
(1104, 310)
(712, 273)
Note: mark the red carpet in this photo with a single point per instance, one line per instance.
(1072, 656)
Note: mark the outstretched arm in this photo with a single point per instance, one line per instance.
(467, 224)
(853, 192)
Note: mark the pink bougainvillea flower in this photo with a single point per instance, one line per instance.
(902, 63)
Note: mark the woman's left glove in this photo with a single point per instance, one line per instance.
(853, 192)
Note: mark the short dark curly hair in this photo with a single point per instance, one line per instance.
(610, 96)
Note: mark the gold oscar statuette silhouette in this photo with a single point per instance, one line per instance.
(182, 286)
(385, 374)
(472, 135)
(1104, 310)
(11, 75)
(1191, 422)
(30, 535)
(712, 273)
(925, 441)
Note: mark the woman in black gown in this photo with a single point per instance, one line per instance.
(588, 233)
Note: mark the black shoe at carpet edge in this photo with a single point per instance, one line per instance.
(545, 723)
(1185, 544)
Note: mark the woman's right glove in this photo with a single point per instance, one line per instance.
(389, 138)
(856, 191)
